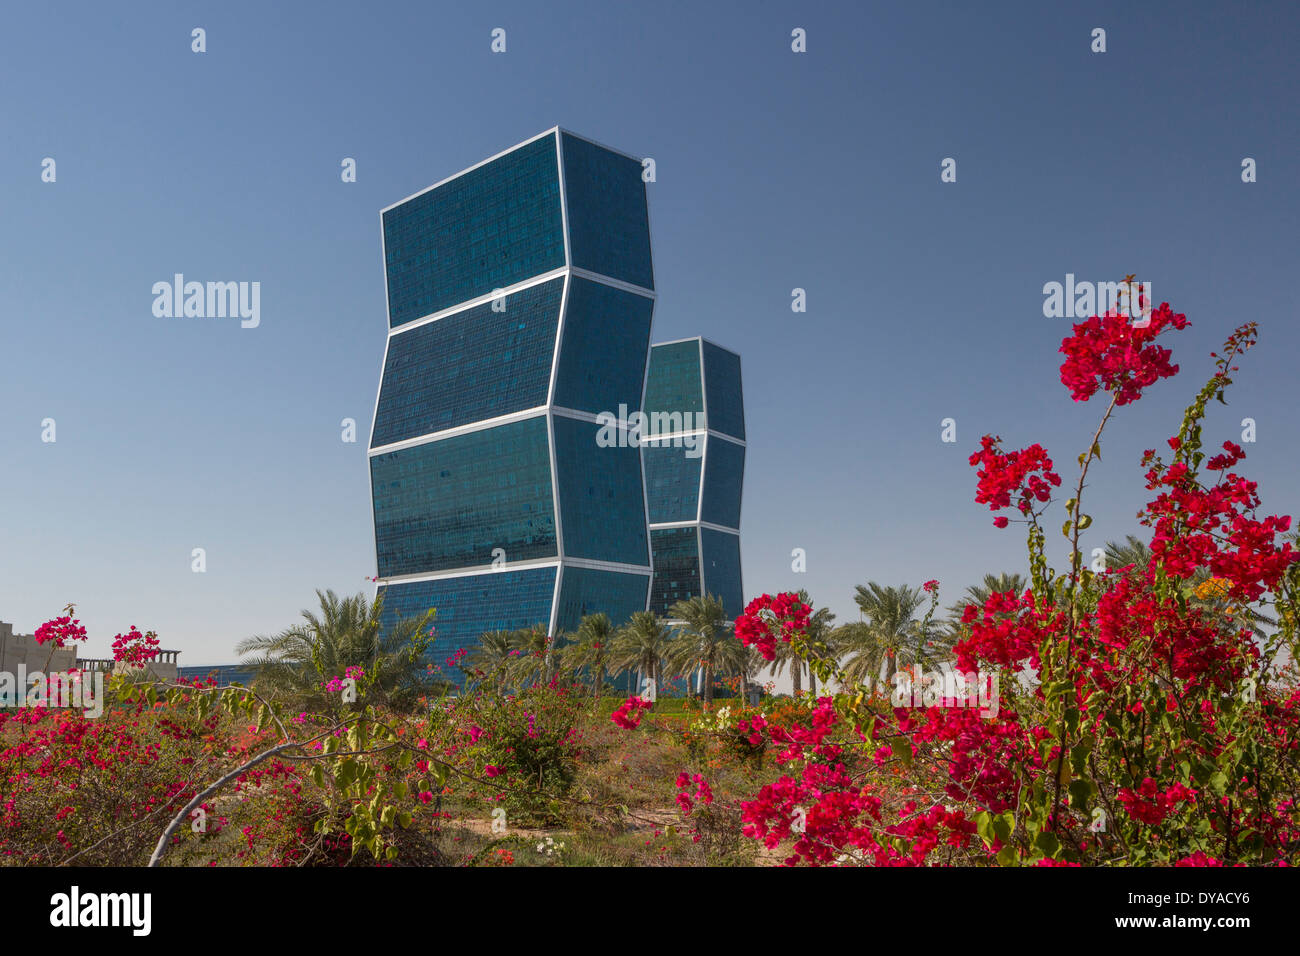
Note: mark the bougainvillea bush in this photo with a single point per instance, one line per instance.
(1143, 714)
(1142, 717)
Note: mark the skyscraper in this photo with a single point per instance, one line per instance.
(694, 471)
(520, 297)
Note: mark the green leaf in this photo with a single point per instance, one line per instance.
(1004, 825)
(1081, 791)
(1085, 522)
(1007, 856)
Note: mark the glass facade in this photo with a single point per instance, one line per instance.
(486, 229)
(502, 365)
(447, 504)
(673, 383)
(606, 341)
(609, 223)
(443, 507)
(723, 390)
(470, 606)
(724, 475)
(586, 591)
(602, 511)
(680, 376)
(672, 481)
(677, 567)
(720, 562)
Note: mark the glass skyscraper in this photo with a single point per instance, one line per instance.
(520, 297)
(694, 472)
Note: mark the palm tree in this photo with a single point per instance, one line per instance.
(536, 654)
(347, 632)
(492, 656)
(889, 637)
(704, 638)
(1133, 550)
(817, 641)
(591, 648)
(639, 645)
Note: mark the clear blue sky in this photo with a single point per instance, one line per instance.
(775, 170)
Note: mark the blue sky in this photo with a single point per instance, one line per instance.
(775, 170)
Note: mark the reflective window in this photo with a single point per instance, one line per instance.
(722, 386)
(721, 566)
(672, 482)
(470, 606)
(586, 591)
(469, 366)
(724, 474)
(609, 226)
(606, 340)
(602, 510)
(492, 227)
(447, 504)
(677, 568)
(673, 385)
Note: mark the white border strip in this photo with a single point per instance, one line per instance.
(459, 430)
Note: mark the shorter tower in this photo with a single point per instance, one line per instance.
(694, 456)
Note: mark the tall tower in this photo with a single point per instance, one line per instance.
(694, 471)
(520, 297)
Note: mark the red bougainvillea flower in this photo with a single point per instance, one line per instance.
(60, 630)
(1027, 474)
(1111, 353)
(767, 617)
(134, 647)
(628, 716)
(930, 586)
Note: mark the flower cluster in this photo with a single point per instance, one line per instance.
(1027, 474)
(1112, 354)
(135, 648)
(60, 630)
(629, 713)
(703, 792)
(767, 618)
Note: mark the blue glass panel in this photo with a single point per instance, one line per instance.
(722, 386)
(672, 480)
(724, 474)
(609, 225)
(469, 366)
(489, 228)
(470, 606)
(606, 341)
(602, 508)
(586, 591)
(721, 566)
(673, 386)
(677, 567)
(447, 504)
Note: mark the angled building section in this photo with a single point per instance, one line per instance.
(520, 297)
(694, 455)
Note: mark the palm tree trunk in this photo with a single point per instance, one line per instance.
(708, 684)
(796, 675)
(812, 682)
